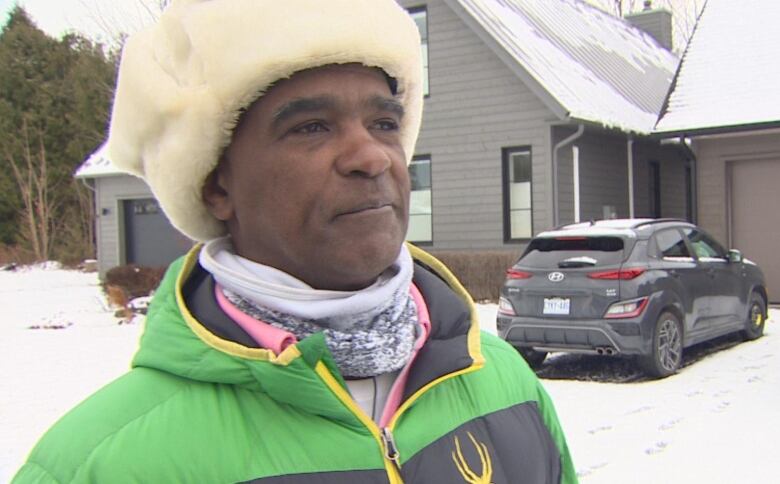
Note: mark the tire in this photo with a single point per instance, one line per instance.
(756, 318)
(532, 357)
(665, 357)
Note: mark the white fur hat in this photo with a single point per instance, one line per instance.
(183, 82)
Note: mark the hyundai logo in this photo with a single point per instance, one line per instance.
(555, 276)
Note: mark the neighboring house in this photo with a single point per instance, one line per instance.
(130, 227)
(538, 112)
(525, 97)
(726, 100)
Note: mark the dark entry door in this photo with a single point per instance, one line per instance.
(150, 240)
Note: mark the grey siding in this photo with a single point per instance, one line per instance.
(712, 155)
(603, 163)
(603, 174)
(109, 193)
(672, 160)
(476, 107)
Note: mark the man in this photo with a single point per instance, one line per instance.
(303, 342)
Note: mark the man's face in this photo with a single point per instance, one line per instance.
(314, 181)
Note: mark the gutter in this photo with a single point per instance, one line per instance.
(558, 146)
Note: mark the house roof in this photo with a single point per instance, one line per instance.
(97, 165)
(584, 63)
(730, 73)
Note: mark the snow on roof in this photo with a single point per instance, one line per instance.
(598, 68)
(97, 165)
(730, 73)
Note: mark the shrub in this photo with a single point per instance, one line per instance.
(134, 280)
(15, 254)
(482, 273)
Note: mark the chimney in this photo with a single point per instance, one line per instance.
(657, 23)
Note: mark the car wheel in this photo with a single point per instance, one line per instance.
(665, 357)
(532, 357)
(756, 318)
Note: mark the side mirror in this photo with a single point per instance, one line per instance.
(735, 256)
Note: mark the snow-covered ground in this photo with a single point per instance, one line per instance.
(716, 421)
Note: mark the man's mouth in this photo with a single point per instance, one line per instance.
(368, 207)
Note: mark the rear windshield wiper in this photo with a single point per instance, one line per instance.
(572, 262)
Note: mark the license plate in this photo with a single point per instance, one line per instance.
(556, 305)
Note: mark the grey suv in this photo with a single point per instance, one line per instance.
(644, 287)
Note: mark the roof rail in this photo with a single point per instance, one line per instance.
(657, 221)
(592, 222)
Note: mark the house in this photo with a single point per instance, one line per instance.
(726, 100)
(537, 113)
(130, 226)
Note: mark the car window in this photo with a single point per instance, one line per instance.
(703, 245)
(549, 252)
(671, 243)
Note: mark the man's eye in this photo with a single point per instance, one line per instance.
(311, 127)
(386, 125)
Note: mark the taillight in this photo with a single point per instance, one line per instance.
(622, 274)
(515, 274)
(626, 309)
(505, 307)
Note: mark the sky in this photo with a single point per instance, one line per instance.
(100, 20)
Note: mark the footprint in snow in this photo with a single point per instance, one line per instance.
(670, 424)
(640, 410)
(599, 429)
(722, 406)
(658, 447)
(590, 470)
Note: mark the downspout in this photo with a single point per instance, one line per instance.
(575, 155)
(630, 148)
(558, 146)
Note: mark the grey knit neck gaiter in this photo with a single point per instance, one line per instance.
(368, 344)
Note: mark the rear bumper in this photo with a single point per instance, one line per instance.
(601, 336)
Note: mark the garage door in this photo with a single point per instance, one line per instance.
(150, 240)
(755, 216)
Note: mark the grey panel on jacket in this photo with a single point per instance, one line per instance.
(508, 446)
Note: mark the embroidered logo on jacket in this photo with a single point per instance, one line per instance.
(468, 474)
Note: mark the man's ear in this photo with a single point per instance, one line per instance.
(216, 196)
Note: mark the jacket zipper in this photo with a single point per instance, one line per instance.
(391, 451)
(384, 437)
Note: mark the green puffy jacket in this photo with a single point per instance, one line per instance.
(202, 405)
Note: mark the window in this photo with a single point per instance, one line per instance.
(670, 243)
(567, 252)
(518, 223)
(420, 16)
(704, 246)
(420, 208)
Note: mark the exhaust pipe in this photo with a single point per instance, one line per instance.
(610, 351)
(600, 351)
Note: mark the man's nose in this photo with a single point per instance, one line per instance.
(362, 154)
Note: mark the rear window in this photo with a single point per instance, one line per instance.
(568, 252)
